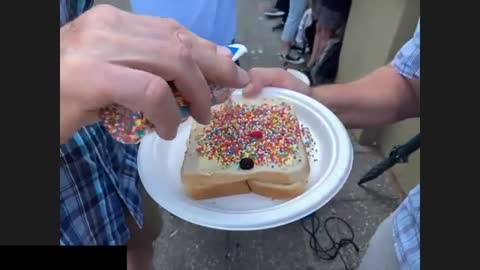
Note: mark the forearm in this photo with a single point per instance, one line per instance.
(382, 97)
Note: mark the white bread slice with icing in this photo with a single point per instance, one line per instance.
(204, 178)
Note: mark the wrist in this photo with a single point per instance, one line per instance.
(309, 91)
(64, 127)
(69, 122)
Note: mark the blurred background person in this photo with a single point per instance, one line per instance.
(279, 10)
(295, 14)
(330, 16)
(215, 20)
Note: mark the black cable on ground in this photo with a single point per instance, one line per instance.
(311, 225)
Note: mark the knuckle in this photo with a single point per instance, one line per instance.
(155, 90)
(229, 69)
(89, 30)
(99, 16)
(184, 54)
(172, 24)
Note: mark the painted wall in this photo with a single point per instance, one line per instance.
(376, 30)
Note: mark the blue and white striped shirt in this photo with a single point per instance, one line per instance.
(406, 222)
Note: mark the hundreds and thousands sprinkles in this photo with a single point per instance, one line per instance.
(310, 143)
(268, 134)
(124, 125)
(130, 127)
(308, 139)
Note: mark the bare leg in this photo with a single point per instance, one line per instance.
(140, 245)
(140, 258)
(322, 36)
(295, 13)
(313, 55)
(285, 48)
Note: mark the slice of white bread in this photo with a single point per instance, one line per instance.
(204, 178)
(274, 191)
(199, 192)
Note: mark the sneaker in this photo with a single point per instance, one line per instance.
(307, 71)
(297, 49)
(274, 13)
(278, 27)
(293, 59)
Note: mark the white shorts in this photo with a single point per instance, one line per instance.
(381, 254)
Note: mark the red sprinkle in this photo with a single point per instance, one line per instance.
(257, 134)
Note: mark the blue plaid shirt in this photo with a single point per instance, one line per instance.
(99, 182)
(406, 222)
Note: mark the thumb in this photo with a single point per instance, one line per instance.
(93, 85)
(262, 77)
(276, 77)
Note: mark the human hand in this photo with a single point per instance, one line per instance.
(276, 77)
(109, 56)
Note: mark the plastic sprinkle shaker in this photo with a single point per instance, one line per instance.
(124, 125)
(130, 127)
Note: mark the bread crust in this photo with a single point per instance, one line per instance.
(274, 191)
(217, 178)
(277, 191)
(201, 192)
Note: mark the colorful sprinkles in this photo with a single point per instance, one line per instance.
(268, 134)
(130, 127)
(308, 139)
(124, 125)
(310, 144)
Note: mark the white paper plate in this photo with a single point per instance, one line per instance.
(300, 75)
(160, 161)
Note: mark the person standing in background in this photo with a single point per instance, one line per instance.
(330, 16)
(279, 10)
(214, 20)
(295, 14)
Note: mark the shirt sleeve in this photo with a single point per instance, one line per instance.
(407, 60)
(84, 5)
(70, 9)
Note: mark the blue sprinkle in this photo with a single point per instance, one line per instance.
(185, 112)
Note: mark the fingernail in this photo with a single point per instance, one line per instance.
(224, 51)
(243, 76)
